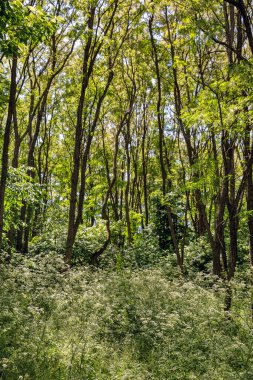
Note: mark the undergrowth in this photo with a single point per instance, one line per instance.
(84, 324)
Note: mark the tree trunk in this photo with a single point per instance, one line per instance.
(6, 143)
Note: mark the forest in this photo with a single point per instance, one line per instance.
(126, 189)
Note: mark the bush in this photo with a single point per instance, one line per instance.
(198, 256)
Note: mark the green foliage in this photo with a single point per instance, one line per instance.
(21, 25)
(20, 189)
(160, 219)
(80, 324)
(144, 252)
(198, 256)
(21, 186)
(88, 241)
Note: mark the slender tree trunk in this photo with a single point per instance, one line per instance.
(144, 168)
(250, 212)
(248, 148)
(78, 141)
(161, 142)
(127, 188)
(240, 5)
(220, 248)
(6, 143)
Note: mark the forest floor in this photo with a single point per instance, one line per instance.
(119, 324)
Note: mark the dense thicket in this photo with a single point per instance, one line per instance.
(126, 131)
